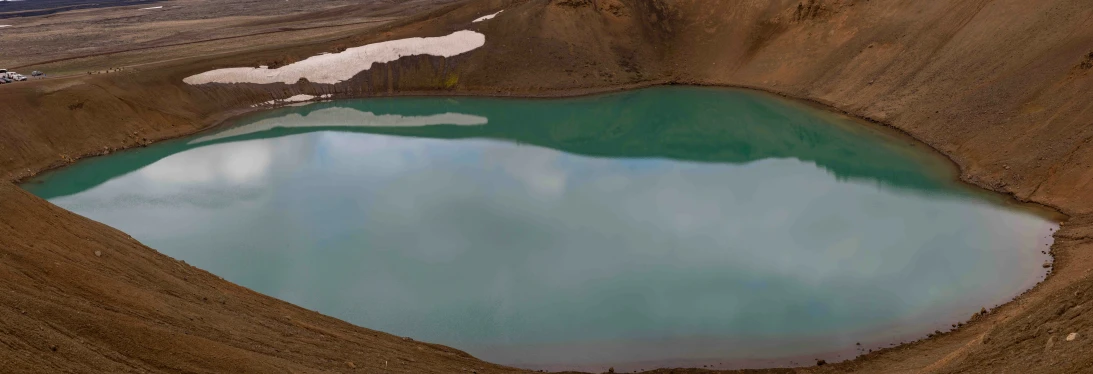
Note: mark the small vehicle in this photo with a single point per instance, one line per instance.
(37, 73)
(5, 80)
(18, 77)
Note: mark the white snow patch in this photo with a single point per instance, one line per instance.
(347, 117)
(338, 67)
(487, 17)
(155, 7)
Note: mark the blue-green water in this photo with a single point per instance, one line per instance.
(667, 226)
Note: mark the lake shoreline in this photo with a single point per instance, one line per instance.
(832, 134)
(229, 118)
(101, 114)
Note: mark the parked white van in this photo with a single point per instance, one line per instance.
(12, 75)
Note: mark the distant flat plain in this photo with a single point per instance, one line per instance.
(115, 34)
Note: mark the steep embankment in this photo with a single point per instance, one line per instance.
(1000, 86)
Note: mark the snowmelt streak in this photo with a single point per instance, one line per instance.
(486, 17)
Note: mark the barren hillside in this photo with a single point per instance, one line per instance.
(1001, 87)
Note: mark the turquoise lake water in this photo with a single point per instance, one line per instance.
(672, 226)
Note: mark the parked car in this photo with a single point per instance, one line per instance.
(37, 73)
(18, 77)
(4, 80)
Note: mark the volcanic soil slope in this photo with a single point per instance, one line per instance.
(1002, 87)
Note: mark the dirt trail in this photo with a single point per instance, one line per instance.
(1001, 87)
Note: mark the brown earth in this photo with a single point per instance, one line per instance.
(218, 26)
(1002, 87)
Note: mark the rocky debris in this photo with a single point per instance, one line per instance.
(350, 364)
(982, 312)
(821, 362)
(1071, 336)
(98, 253)
(614, 7)
(573, 3)
(1087, 63)
(807, 10)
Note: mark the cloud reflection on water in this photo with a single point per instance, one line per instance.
(521, 253)
(525, 248)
